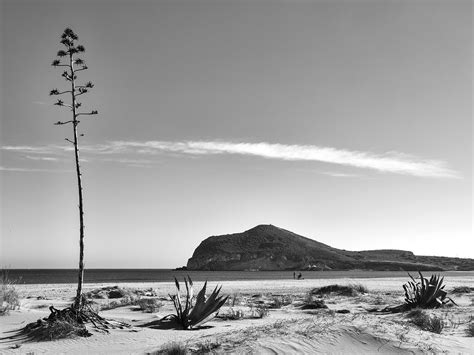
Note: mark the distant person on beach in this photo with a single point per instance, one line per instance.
(300, 276)
(294, 275)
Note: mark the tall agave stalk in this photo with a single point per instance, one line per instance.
(192, 313)
(426, 293)
(68, 59)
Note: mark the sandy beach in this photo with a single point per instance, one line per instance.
(345, 327)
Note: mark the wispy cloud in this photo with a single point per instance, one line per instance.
(341, 175)
(389, 162)
(28, 170)
(41, 158)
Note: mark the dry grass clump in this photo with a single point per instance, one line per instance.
(470, 329)
(280, 301)
(342, 290)
(148, 305)
(171, 349)
(426, 322)
(462, 289)
(231, 315)
(9, 299)
(206, 347)
(260, 311)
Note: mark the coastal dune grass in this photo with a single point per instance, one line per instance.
(9, 298)
(424, 321)
(342, 290)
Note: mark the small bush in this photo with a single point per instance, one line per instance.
(280, 301)
(9, 299)
(232, 315)
(470, 329)
(260, 311)
(206, 347)
(351, 290)
(171, 349)
(360, 288)
(462, 289)
(314, 304)
(426, 322)
(148, 305)
(64, 329)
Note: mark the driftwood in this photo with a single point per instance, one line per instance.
(62, 323)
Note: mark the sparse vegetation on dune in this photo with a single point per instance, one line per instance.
(349, 290)
(426, 293)
(173, 348)
(424, 321)
(190, 312)
(9, 299)
(470, 329)
(462, 289)
(232, 314)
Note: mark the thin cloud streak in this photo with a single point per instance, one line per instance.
(41, 158)
(29, 170)
(391, 162)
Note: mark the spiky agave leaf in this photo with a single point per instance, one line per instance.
(195, 314)
(203, 308)
(426, 293)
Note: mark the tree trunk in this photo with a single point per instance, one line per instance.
(80, 276)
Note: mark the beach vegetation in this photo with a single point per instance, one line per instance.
(72, 64)
(342, 290)
(426, 293)
(148, 305)
(280, 301)
(232, 314)
(173, 348)
(462, 289)
(9, 298)
(424, 321)
(259, 311)
(192, 312)
(470, 329)
(206, 347)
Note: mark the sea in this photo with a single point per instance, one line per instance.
(57, 276)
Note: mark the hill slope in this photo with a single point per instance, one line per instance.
(266, 247)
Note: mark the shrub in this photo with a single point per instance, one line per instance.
(425, 293)
(260, 311)
(148, 305)
(190, 315)
(351, 290)
(171, 349)
(426, 322)
(462, 289)
(280, 301)
(206, 347)
(232, 315)
(9, 299)
(470, 329)
(360, 288)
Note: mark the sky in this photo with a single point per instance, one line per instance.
(348, 122)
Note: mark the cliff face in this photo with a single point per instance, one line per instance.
(266, 247)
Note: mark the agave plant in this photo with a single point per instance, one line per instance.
(192, 313)
(426, 293)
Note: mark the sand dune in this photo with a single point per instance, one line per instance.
(285, 330)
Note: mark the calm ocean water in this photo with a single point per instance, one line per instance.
(52, 276)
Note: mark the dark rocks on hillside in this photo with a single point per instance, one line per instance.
(266, 247)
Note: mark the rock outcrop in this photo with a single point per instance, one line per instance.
(266, 247)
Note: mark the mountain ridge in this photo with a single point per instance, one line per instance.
(267, 247)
